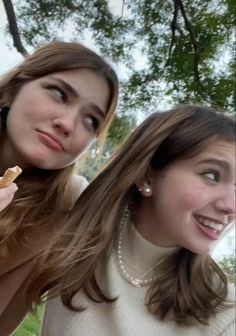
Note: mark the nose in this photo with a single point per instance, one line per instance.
(65, 123)
(225, 204)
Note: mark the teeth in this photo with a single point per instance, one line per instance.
(212, 225)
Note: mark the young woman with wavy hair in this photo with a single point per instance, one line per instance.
(53, 106)
(138, 262)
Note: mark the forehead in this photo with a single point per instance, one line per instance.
(221, 149)
(75, 74)
(220, 154)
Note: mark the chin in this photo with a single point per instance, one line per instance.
(44, 162)
(199, 250)
(42, 165)
(46, 166)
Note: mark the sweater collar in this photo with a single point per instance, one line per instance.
(140, 254)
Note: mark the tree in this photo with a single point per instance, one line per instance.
(89, 167)
(13, 28)
(188, 45)
(229, 266)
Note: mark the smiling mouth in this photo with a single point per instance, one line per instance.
(210, 224)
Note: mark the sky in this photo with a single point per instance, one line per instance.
(9, 57)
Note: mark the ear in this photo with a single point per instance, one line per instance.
(144, 187)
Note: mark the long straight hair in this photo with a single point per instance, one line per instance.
(185, 282)
(40, 190)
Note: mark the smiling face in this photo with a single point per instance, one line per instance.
(55, 118)
(191, 202)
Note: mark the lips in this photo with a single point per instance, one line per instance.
(213, 224)
(209, 227)
(50, 141)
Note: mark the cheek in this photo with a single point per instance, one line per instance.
(31, 104)
(80, 144)
(194, 198)
(19, 113)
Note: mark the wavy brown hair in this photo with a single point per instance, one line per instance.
(45, 196)
(185, 286)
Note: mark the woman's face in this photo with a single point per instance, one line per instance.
(55, 118)
(192, 202)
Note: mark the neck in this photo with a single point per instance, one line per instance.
(147, 226)
(138, 258)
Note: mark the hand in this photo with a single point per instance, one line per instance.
(6, 195)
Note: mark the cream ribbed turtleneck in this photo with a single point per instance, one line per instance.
(128, 315)
(139, 258)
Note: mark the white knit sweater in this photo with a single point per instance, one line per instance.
(128, 316)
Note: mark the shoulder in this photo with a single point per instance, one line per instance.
(79, 184)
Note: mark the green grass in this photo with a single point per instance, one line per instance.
(31, 325)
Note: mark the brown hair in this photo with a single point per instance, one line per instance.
(58, 57)
(40, 190)
(184, 285)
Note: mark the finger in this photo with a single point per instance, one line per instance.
(4, 203)
(12, 188)
(8, 191)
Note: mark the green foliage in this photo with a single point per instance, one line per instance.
(93, 160)
(228, 264)
(31, 325)
(189, 50)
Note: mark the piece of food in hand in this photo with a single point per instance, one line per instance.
(9, 176)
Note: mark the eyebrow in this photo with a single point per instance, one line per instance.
(221, 163)
(75, 94)
(98, 110)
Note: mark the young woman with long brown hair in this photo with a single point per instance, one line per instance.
(139, 261)
(53, 106)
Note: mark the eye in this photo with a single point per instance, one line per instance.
(93, 123)
(212, 175)
(59, 93)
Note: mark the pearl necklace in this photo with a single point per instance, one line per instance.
(140, 281)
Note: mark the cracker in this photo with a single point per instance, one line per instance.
(9, 176)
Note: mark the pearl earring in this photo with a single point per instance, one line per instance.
(147, 190)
